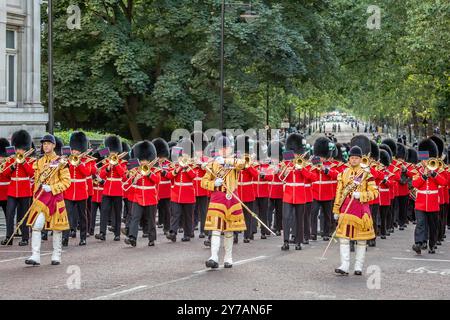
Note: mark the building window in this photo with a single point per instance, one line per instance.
(11, 65)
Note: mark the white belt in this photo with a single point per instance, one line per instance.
(165, 182)
(77, 180)
(114, 179)
(96, 188)
(245, 183)
(276, 183)
(144, 187)
(4, 183)
(262, 182)
(307, 185)
(183, 184)
(198, 179)
(325, 182)
(428, 191)
(89, 178)
(295, 184)
(20, 179)
(383, 190)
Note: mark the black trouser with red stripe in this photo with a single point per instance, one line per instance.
(262, 207)
(278, 205)
(201, 207)
(94, 207)
(307, 221)
(402, 210)
(3, 206)
(22, 205)
(76, 211)
(290, 210)
(148, 214)
(375, 211)
(182, 212)
(327, 208)
(248, 219)
(384, 217)
(424, 219)
(111, 205)
(164, 213)
(442, 221)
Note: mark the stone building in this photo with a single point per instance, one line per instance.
(20, 68)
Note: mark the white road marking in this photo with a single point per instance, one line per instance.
(20, 258)
(17, 251)
(418, 259)
(193, 275)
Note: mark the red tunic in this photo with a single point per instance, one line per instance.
(20, 185)
(324, 186)
(78, 189)
(183, 186)
(145, 190)
(275, 186)
(294, 188)
(164, 187)
(4, 185)
(199, 173)
(427, 191)
(113, 183)
(262, 184)
(245, 190)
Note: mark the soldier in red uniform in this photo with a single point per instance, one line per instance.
(395, 177)
(201, 195)
(427, 183)
(182, 195)
(395, 186)
(164, 187)
(19, 189)
(76, 195)
(145, 197)
(113, 173)
(126, 194)
(245, 188)
(4, 181)
(443, 194)
(294, 197)
(262, 186)
(378, 177)
(384, 197)
(324, 189)
(403, 189)
(276, 185)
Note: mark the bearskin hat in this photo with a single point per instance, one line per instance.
(386, 148)
(374, 150)
(126, 148)
(339, 147)
(144, 150)
(274, 148)
(78, 141)
(200, 140)
(187, 145)
(401, 151)
(114, 144)
(322, 147)
(392, 144)
(3, 144)
(385, 158)
(430, 146)
(439, 143)
(412, 156)
(363, 142)
(21, 140)
(162, 148)
(295, 142)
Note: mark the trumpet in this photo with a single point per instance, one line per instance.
(19, 159)
(75, 160)
(365, 162)
(113, 159)
(143, 170)
(185, 161)
(433, 164)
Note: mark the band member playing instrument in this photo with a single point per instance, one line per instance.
(384, 186)
(262, 186)
(113, 172)
(324, 190)
(375, 171)
(77, 194)
(19, 170)
(145, 180)
(48, 211)
(183, 193)
(162, 152)
(276, 185)
(403, 189)
(427, 182)
(224, 210)
(356, 187)
(97, 189)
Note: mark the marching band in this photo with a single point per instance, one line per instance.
(357, 192)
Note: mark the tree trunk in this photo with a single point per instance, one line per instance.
(131, 108)
(415, 122)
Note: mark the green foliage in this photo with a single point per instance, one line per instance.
(64, 135)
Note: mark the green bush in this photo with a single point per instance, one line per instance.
(64, 135)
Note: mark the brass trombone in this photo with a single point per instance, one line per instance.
(113, 159)
(19, 158)
(75, 160)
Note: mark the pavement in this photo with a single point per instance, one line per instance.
(114, 271)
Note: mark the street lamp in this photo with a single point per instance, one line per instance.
(249, 15)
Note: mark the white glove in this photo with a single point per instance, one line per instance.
(204, 165)
(218, 182)
(46, 188)
(336, 216)
(220, 160)
(356, 195)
